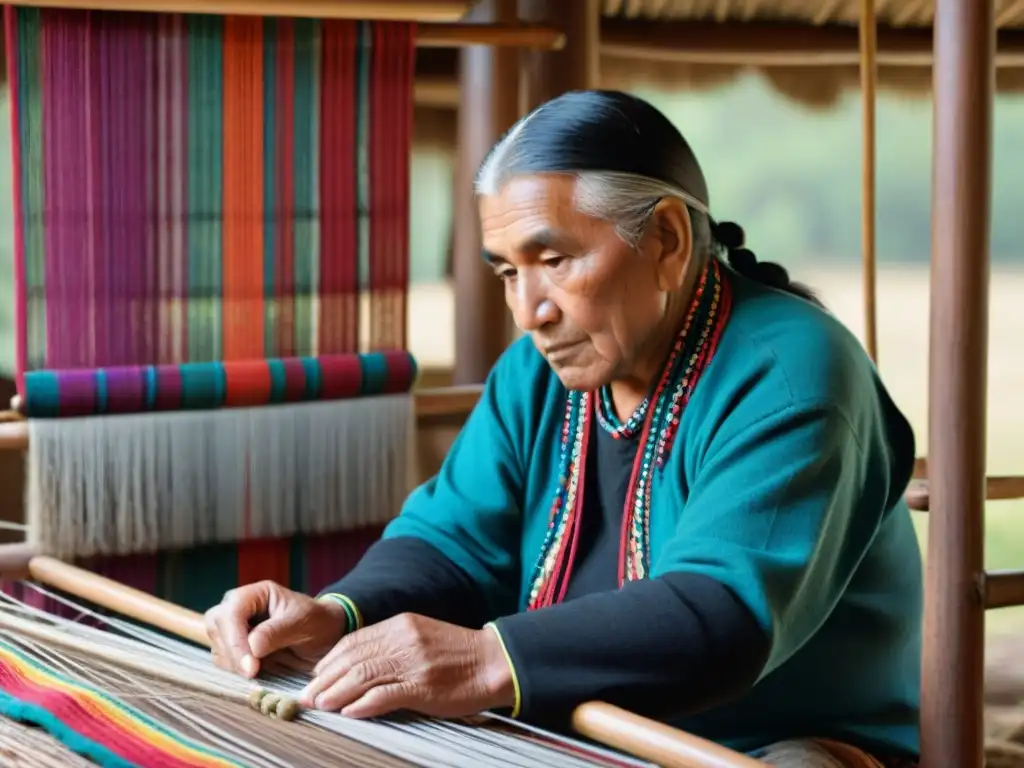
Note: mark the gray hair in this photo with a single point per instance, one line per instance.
(626, 200)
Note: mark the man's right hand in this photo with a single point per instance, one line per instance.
(256, 620)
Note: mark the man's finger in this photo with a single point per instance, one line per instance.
(342, 684)
(274, 634)
(382, 700)
(210, 622)
(232, 624)
(323, 679)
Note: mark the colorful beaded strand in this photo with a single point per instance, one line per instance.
(658, 417)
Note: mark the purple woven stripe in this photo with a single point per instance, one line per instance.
(126, 389)
(168, 388)
(77, 393)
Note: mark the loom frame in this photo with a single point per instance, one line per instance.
(950, 483)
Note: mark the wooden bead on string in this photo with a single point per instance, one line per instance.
(273, 704)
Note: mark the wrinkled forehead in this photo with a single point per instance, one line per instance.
(533, 213)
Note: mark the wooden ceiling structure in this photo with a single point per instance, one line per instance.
(807, 50)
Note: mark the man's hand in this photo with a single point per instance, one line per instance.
(287, 620)
(413, 663)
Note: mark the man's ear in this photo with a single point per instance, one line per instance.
(674, 233)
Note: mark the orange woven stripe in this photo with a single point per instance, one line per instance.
(243, 187)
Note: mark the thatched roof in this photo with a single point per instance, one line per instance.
(807, 49)
(895, 13)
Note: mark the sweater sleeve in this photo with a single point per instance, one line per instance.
(696, 646)
(408, 575)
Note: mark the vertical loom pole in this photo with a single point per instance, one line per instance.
(953, 665)
(548, 74)
(488, 106)
(868, 82)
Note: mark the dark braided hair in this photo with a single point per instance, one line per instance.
(728, 236)
(610, 132)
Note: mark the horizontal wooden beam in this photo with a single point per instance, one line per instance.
(436, 91)
(386, 10)
(526, 36)
(764, 44)
(1004, 589)
(997, 488)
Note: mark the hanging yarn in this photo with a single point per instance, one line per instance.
(211, 275)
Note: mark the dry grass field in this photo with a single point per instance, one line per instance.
(903, 360)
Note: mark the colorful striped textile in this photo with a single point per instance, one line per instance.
(91, 722)
(194, 188)
(234, 384)
(210, 212)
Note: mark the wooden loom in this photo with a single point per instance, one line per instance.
(958, 588)
(372, 744)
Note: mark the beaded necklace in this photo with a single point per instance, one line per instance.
(656, 419)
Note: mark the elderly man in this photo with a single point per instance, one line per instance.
(681, 493)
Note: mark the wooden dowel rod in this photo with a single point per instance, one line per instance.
(1004, 589)
(650, 740)
(391, 10)
(113, 596)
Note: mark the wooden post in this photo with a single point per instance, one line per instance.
(575, 67)
(964, 75)
(488, 106)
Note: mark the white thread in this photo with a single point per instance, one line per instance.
(116, 485)
(421, 742)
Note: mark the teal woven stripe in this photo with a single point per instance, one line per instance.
(205, 185)
(24, 712)
(307, 180)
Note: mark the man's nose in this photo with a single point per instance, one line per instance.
(533, 309)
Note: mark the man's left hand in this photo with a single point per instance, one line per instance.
(416, 664)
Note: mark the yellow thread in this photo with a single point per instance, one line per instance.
(512, 668)
(346, 601)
